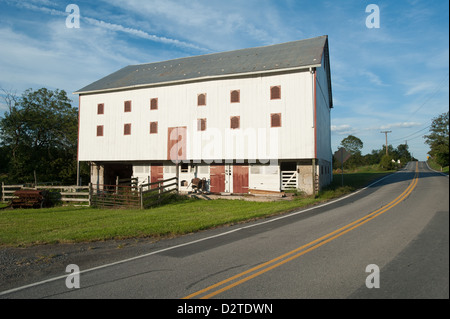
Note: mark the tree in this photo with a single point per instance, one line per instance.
(39, 130)
(438, 139)
(353, 145)
(403, 153)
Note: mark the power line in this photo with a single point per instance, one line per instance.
(406, 137)
(432, 95)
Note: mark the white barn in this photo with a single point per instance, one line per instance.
(247, 121)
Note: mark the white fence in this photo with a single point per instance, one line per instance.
(288, 180)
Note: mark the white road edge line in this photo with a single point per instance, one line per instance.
(195, 241)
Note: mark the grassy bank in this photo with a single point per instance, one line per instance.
(437, 167)
(181, 216)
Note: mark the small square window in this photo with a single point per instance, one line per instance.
(127, 129)
(127, 106)
(153, 127)
(201, 125)
(154, 104)
(100, 109)
(100, 130)
(184, 168)
(275, 120)
(235, 96)
(275, 92)
(201, 99)
(235, 122)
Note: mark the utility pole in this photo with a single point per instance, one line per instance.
(386, 132)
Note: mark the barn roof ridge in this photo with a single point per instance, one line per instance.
(271, 58)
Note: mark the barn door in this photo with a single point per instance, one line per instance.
(240, 179)
(156, 174)
(217, 176)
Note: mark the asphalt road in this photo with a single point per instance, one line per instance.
(400, 225)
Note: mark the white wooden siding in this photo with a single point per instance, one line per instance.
(177, 106)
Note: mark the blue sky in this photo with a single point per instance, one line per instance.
(394, 77)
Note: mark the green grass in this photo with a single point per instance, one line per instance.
(437, 167)
(70, 224)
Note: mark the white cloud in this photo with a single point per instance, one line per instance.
(372, 77)
(400, 125)
(344, 129)
(110, 26)
(419, 88)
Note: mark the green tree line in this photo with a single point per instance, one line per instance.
(437, 139)
(354, 145)
(38, 138)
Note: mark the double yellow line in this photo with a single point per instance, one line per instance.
(276, 262)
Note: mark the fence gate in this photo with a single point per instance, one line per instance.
(114, 196)
(288, 180)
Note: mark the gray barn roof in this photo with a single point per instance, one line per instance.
(291, 55)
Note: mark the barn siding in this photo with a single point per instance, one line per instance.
(177, 106)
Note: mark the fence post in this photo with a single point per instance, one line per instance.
(141, 197)
(3, 191)
(90, 195)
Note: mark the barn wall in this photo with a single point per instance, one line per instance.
(177, 106)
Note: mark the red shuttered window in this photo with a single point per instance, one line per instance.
(235, 96)
(275, 120)
(127, 129)
(275, 92)
(127, 106)
(100, 130)
(153, 127)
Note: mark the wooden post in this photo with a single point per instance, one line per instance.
(177, 176)
(314, 176)
(3, 191)
(141, 197)
(90, 194)
(159, 190)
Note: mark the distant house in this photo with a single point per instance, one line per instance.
(251, 120)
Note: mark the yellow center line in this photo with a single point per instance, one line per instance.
(300, 250)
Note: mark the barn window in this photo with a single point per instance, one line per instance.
(235, 122)
(184, 168)
(275, 92)
(154, 104)
(153, 127)
(275, 120)
(127, 106)
(201, 99)
(201, 125)
(235, 96)
(100, 130)
(127, 129)
(100, 109)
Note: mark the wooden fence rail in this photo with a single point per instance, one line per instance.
(78, 195)
(157, 192)
(105, 196)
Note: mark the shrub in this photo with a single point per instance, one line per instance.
(387, 163)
